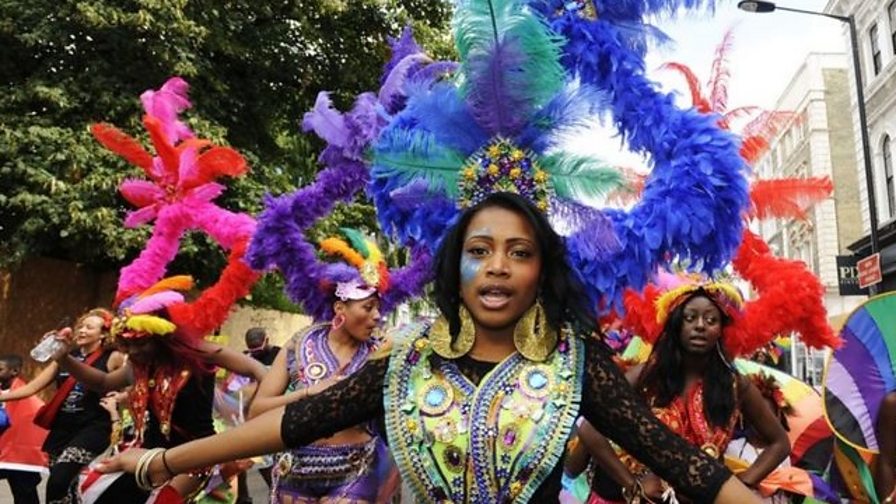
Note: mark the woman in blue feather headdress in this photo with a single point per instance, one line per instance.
(478, 404)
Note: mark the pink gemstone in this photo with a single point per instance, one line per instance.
(509, 437)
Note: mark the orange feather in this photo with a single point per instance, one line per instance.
(335, 246)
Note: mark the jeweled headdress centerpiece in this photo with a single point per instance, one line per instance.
(501, 166)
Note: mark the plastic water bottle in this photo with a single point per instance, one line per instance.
(49, 346)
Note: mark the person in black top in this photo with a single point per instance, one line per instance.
(258, 346)
(80, 430)
(518, 255)
(172, 387)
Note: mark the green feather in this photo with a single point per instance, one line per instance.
(412, 155)
(480, 24)
(357, 241)
(577, 177)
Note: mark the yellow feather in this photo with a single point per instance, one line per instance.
(150, 324)
(375, 255)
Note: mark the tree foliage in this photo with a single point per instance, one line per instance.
(254, 69)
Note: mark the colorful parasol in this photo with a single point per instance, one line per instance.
(859, 374)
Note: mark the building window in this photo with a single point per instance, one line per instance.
(891, 14)
(886, 149)
(875, 49)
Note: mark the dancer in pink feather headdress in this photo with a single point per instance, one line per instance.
(170, 368)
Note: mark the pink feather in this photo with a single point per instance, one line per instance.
(188, 171)
(166, 104)
(156, 301)
(141, 193)
(142, 216)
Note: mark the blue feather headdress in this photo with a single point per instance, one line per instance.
(530, 72)
(494, 126)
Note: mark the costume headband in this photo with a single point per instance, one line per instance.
(178, 196)
(363, 254)
(724, 295)
(138, 315)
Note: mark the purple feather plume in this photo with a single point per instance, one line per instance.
(497, 101)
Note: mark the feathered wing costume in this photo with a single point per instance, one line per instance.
(179, 197)
(280, 239)
(460, 138)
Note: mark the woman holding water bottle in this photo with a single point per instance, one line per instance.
(79, 427)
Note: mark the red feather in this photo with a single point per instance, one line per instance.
(738, 113)
(640, 313)
(164, 149)
(199, 318)
(122, 144)
(217, 161)
(790, 299)
(697, 99)
(788, 198)
(760, 131)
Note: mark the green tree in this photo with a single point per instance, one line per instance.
(254, 69)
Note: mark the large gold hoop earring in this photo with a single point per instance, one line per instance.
(440, 336)
(533, 337)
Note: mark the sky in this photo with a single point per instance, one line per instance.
(767, 51)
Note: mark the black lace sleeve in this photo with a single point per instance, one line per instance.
(612, 406)
(353, 401)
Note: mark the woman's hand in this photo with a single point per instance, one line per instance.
(322, 385)
(653, 486)
(125, 461)
(63, 336)
(110, 403)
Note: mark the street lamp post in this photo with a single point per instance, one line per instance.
(761, 7)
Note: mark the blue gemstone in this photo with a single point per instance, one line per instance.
(435, 396)
(537, 380)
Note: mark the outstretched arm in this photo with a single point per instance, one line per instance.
(612, 406)
(232, 360)
(40, 382)
(94, 378)
(350, 402)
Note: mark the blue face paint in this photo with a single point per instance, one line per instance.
(469, 264)
(469, 268)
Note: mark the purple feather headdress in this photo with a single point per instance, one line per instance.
(280, 242)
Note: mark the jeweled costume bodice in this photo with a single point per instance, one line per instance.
(496, 442)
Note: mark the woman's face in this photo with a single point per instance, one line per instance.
(140, 351)
(701, 325)
(361, 317)
(500, 268)
(89, 331)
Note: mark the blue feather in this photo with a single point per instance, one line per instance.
(574, 107)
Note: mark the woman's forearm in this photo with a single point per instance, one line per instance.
(734, 492)
(258, 436)
(767, 461)
(262, 405)
(93, 378)
(606, 457)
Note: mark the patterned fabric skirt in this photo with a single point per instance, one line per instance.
(352, 473)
